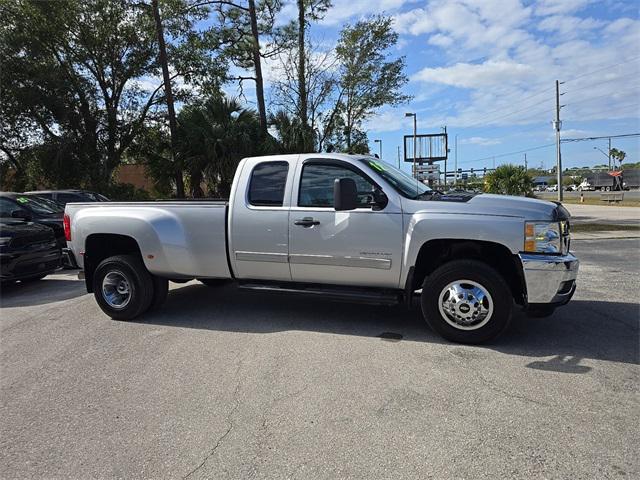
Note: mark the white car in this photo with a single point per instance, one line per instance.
(552, 188)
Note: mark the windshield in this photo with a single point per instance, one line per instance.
(39, 205)
(404, 183)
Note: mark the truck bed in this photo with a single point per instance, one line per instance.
(177, 239)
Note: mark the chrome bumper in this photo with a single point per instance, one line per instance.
(550, 279)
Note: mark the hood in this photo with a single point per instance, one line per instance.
(492, 205)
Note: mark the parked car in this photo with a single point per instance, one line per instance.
(552, 188)
(66, 196)
(28, 251)
(32, 208)
(336, 226)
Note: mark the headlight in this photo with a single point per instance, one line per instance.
(542, 237)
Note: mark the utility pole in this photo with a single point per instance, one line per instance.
(609, 153)
(456, 161)
(557, 125)
(525, 162)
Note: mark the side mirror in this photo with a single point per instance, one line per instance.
(21, 214)
(345, 194)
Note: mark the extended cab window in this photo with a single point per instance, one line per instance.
(266, 188)
(316, 185)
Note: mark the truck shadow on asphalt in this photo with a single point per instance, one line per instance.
(581, 330)
(41, 292)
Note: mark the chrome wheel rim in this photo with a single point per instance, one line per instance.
(116, 290)
(465, 305)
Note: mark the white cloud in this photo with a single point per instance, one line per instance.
(344, 10)
(482, 141)
(468, 75)
(513, 82)
(560, 7)
(569, 26)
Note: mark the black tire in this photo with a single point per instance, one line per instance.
(477, 272)
(139, 282)
(160, 291)
(540, 312)
(214, 282)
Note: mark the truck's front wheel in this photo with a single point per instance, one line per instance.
(466, 301)
(123, 287)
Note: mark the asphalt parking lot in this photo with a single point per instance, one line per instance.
(225, 384)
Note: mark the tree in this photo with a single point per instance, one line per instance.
(509, 180)
(214, 136)
(367, 80)
(320, 86)
(618, 155)
(242, 26)
(77, 99)
(171, 113)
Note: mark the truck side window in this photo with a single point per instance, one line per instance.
(266, 188)
(316, 186)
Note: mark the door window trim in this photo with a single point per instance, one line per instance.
(334, 163)
(284, 193)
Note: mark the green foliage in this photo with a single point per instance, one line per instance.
(367, 79)
(213, 137)
(617, 155)
(125, 192)
(292, 135)
(509, 180)
(74, 102)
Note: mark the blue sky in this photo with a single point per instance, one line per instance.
(487, 69)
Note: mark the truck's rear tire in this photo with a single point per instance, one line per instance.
(466, 301)
(123, 287)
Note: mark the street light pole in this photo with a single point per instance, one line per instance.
(380, 147)
(415, 133)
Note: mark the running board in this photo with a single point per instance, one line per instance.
(335, 293)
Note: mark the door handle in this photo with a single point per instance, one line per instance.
(307, 222)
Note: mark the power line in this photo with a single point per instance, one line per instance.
(535, 95)
(633, 59)
(585, 139)
(604, 81)
(563, 140)
(510, 153)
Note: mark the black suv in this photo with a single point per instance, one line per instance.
(68, 196)
(28, 251)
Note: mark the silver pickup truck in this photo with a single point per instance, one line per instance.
(341, 227)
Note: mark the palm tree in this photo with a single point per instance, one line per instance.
(293, 135)
(214, 136)
(508, 180)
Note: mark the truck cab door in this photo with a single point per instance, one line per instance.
(259, 219)
(361, 247)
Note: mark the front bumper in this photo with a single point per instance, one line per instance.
(19, 265)
(549, 279)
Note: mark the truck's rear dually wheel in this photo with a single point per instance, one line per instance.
(466, 301)
(123, 287)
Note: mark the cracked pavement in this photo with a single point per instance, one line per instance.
(227, 384)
